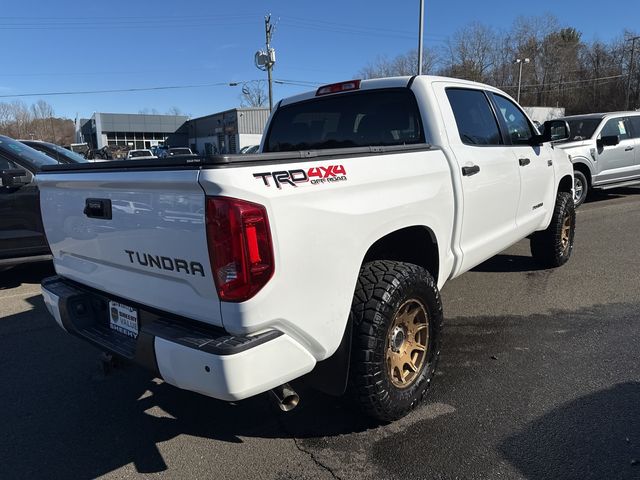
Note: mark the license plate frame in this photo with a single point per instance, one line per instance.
(123, 319)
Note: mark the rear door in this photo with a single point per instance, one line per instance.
(617, 162)
(534, 165)
(489, 174)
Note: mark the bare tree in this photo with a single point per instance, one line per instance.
(471, 52)
(22, 121)
(174, 111)
(254, 94)
(148, 111)
(563, 70)
(22, 118)
(401, 65)
(41, 125)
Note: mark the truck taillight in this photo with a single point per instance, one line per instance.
(338, 87)
(240, 247)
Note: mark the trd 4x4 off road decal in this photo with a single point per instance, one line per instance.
(314, 176)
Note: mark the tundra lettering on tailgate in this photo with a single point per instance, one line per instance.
(165, 263)
(314, 176)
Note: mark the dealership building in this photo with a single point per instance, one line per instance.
(130, 130)
(223, 132)
(226, 132)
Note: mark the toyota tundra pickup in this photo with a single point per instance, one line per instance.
(320, 257)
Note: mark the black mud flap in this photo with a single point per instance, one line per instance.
(331, 376)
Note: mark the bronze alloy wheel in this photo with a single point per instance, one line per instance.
(565, 234)
(407, 342)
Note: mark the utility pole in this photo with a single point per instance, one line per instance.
(633, 48)
(420, 35)
(270, 60)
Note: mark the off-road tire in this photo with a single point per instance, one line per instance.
(383, 288)
(582, 179)
(548, 247)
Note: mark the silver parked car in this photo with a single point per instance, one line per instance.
(605, 151)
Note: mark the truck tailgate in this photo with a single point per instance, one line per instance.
(153, 248)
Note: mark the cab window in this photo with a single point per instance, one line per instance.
(518, 126)
(366, 117)
(476, 122)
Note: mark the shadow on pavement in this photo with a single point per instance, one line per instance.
(63, 415)
(508, 263)
(601, 195)
(27, 273)
(599, 438)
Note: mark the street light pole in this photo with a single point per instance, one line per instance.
(633, 48)
(520, 61)
(420, 35)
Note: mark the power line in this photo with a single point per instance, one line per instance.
(124, 90)
(323, 23)
(353, 29)
(569, 82)
(299, 84)
(302, 83)
(578, 86)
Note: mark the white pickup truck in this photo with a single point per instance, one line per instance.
(320, 257)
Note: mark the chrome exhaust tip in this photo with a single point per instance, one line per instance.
(285, 397)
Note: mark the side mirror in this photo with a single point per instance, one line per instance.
(608, 141)
(14, 178)
(556, 130)
(553, 131)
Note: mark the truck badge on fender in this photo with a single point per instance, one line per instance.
(314, 176)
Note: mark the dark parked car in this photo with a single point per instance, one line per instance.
(62, 155)
(22, 237)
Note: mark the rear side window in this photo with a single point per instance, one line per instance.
(476, 122)
(374, 117)
(635, 125)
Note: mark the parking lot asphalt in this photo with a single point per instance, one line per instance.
(539, 378)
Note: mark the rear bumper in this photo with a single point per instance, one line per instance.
(184, 353)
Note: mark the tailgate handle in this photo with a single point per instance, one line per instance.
(98, 208)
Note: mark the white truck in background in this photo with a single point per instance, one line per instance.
(605, 151)
(322, 256)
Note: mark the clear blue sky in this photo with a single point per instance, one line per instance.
(68, 45)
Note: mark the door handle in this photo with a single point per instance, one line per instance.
(524, 162)
(628, 149)
(468, 171)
